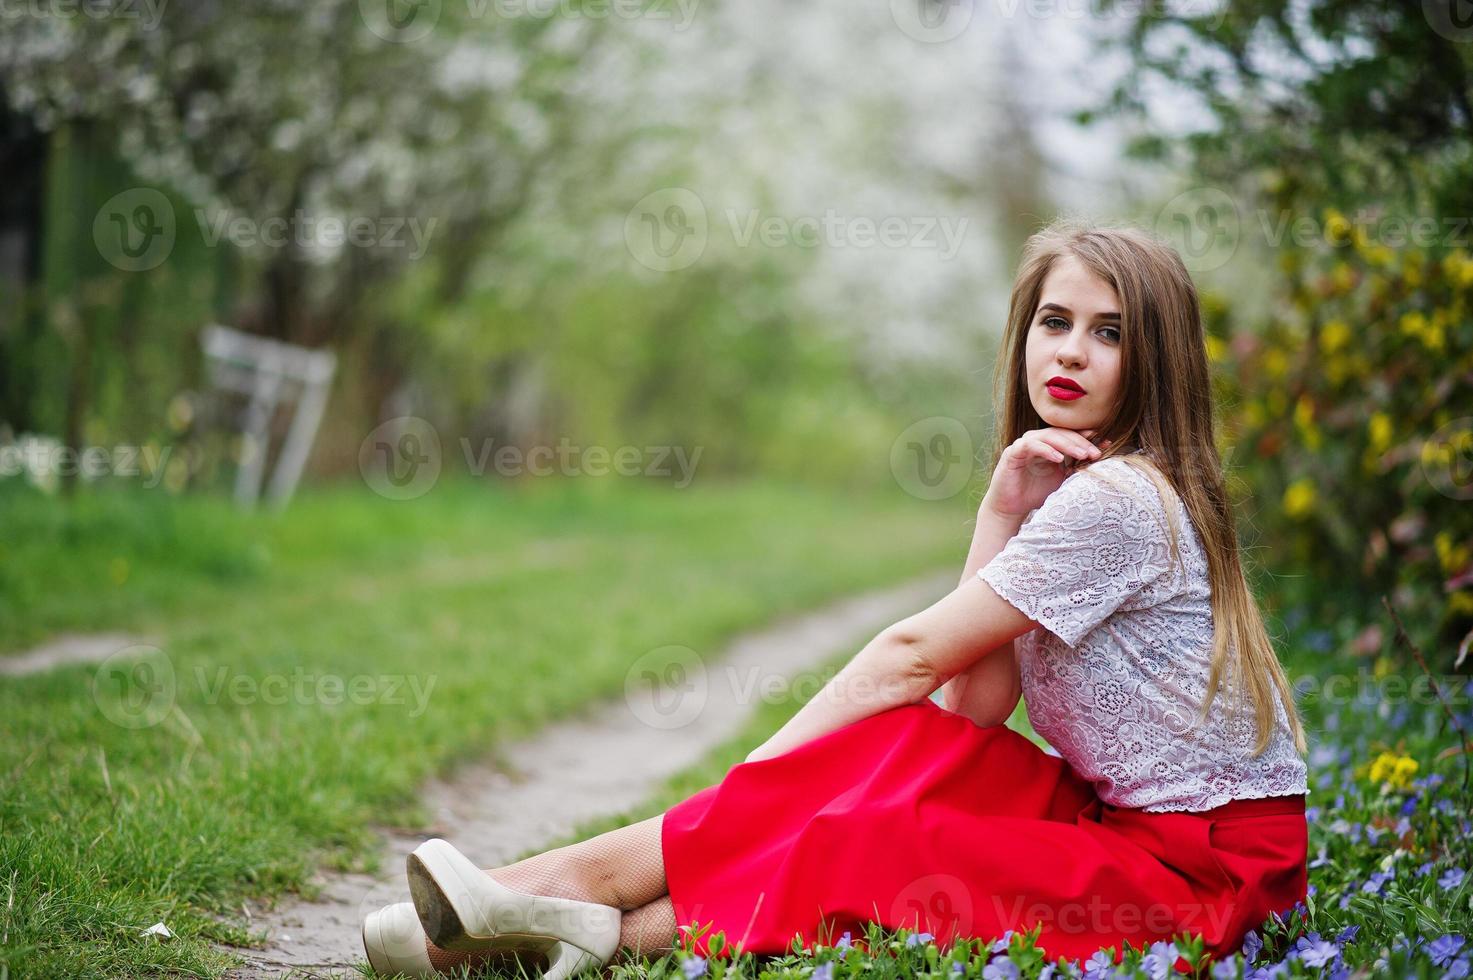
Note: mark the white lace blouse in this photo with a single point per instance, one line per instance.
(1116, 677)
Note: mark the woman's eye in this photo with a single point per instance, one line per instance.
(1050, 321)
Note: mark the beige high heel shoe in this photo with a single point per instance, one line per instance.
(463, 908)
(394, 941)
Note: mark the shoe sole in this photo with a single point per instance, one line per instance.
(442, 921)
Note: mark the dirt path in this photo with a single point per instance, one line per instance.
(570, 772)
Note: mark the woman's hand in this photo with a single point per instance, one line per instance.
(1034, 466)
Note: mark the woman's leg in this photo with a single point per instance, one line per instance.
(648, 931)
(624, 868)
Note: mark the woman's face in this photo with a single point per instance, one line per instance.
(1075, 335)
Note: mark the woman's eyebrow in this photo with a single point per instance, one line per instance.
(1065, 309)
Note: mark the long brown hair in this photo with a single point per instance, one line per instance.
(1165, 408)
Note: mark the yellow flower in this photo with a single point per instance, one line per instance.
(1411, 269)
(1458, 268)
(1275, 362)
(1337, 228)
(1382, 257)
(1451, 557)
(1215, 349)
(1304, 422)
(1380, 431)
(1299, 497)
(1343, 277)
(1397, 770)
(1334, 335)
(1461, 603)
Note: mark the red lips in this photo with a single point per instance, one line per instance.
(1059, 381)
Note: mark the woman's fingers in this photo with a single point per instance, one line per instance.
(1068, 441)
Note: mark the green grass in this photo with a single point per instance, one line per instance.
(508, 608)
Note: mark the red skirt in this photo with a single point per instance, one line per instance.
(919, 818)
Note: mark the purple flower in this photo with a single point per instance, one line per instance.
(1252, 945)
(1444, 948)
(1410, 806)
(1048, 971)
(694, 967)
(1423, 869)
(1321, 859)
(916, 938)
(1318, 953)
(824, 971)
(1225, 970)
(1160, 962)
(1458, 969)
(1312, 813)
(1099, 966)
(958, 968)
(1001, 968)
(1347, 935)
(998, 945)
(1376, 882)
(1451, 878)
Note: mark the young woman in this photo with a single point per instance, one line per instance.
(1104, 585)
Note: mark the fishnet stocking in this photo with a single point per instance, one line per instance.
(624, 868)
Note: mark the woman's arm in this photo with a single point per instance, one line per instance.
(883, 675)
(906, 662)
(988, 691)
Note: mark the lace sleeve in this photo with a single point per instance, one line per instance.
(1091, 547)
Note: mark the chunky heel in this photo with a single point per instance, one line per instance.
(463, 908)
